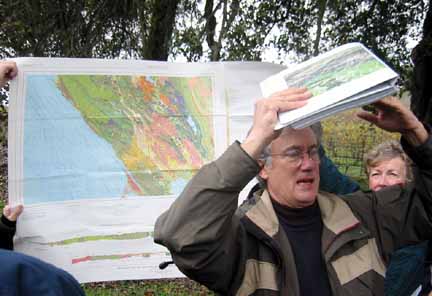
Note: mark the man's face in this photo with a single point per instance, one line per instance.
(290, 182)
(387, 173)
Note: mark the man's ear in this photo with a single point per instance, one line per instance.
(264, 170)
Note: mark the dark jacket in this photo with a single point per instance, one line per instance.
(407, 269)
(7, 232)
(23, 275)
(244, 251)
(331, 179)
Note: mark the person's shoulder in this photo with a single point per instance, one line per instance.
(31, 275)
(358, 201)
(365, 201)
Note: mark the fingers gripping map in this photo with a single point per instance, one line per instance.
(98, 149)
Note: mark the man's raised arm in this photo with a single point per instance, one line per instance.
(200, 228)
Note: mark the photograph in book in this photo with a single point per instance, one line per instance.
(335, 70)
(346, 77)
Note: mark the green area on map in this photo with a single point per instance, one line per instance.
(83, 239)
(161, 128)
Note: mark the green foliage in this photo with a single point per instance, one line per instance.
(347, 138)
(84, 28)
(207, 29)
(178, 287)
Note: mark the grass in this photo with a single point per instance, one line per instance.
(163, 287)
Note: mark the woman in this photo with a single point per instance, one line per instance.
(407, 274)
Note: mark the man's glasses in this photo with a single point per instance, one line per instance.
(296, 156)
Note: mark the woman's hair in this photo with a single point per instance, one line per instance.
(387, 151)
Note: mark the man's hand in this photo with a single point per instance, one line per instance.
(266, 118)
(393, 116)
(12, 213)
(8, 70)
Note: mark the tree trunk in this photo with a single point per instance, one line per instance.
(322, 4)
(421, 89)
(162, 24)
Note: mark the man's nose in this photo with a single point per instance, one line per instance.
(307, 163)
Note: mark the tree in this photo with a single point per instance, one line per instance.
(158, 42)
(197, 35)
(421, 89)
(383, 26)
(232, 30)
(87, 28)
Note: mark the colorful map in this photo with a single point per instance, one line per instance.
(99, 149)
(105, 136)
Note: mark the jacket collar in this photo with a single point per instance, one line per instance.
(336, 214)
(263, 215)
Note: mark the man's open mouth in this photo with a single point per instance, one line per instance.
(305, 181)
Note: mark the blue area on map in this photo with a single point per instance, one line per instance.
(63, 158)
(192, 123)
(178, 185)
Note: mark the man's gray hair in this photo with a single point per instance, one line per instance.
(316, 129)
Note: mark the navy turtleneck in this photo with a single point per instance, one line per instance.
(303, 227)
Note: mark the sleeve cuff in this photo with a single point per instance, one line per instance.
(422, 154)
(7, 222)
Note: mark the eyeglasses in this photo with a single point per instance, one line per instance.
(296, 156)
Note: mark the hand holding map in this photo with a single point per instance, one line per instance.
(8, 70)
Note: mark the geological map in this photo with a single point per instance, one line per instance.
(126, 135)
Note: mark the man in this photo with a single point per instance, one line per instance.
(267, 246)
(26, 275)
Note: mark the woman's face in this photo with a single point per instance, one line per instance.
(387, 173)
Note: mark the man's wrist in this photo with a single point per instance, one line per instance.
(416, 136)
(253, 147)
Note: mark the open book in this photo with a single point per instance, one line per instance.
(346, 77)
